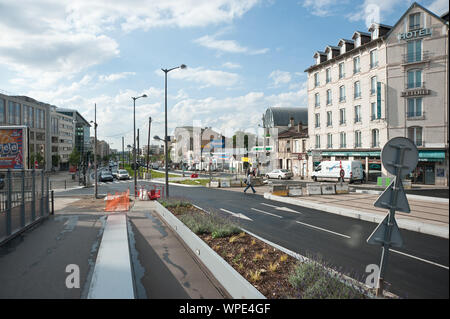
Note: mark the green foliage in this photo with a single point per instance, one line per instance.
(74, 157)
(315, 282)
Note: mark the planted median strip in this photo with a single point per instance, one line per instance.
(271, 271)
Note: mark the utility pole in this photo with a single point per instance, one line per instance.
(148, 141)
(123, 154)
(138, 150)
(95, 152)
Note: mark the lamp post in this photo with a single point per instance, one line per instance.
(95, 151)
(165, 122)
(134, 140)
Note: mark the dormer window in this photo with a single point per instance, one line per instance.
(414, 21)
(318, 60)
(357, 41)
(330, 55)
(343, 49)
(375, 33)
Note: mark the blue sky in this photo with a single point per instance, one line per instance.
(242, 56)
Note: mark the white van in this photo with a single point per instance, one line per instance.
(330, 170)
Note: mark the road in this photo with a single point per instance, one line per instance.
(417, 270)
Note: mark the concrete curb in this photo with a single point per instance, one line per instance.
(236, 285)
(173, 184)
(409, 196)
(420, 227)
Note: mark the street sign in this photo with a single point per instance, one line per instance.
(384, 201)
(342, 173)
(379, 234)
(400, 153)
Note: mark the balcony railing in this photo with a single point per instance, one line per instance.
(357, 119)
(358, 145)
(343, 145)
(373, 65)
(415, 114)
(375, 117)
(342, 99)
(415, 85)
(329, 102)
(341, 122)
(357, 95)
(413, 57)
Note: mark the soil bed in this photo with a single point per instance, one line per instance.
(275, 274)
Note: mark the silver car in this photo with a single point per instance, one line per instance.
(280, 174)
(122, 174)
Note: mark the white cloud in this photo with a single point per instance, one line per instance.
(231, 65)
(375, 10)
(115, 76)
(280, 77)
(320, 8)
(205, 77)
(229, 46)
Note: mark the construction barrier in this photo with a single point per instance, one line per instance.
(118, 203)
(342, 188)
(295, 191)
(328, 189)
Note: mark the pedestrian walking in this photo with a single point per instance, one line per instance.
(249, 182)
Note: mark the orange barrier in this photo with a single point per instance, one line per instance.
(118, 203)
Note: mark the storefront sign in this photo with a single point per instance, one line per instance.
(414, 34)
(13, 148)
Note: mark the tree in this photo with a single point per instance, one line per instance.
(55, 160)
(74, 157)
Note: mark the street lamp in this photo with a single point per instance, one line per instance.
(95, 151)
(165, 122)
(134, 140)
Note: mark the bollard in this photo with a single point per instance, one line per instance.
(53, 203)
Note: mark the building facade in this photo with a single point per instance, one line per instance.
(23, 110)
(63, 138)
(368, 90)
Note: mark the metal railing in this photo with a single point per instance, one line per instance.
(415, 85)
(24, 199)
(413, 57)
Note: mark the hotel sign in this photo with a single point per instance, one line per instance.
(414, 34)
(416, 92)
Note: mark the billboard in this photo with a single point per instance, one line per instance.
(13, 147)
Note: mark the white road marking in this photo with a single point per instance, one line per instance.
(424, 260)
(329, 231)
(236, 215)
(261, 211)
(282, 208)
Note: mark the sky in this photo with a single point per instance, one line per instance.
(242, 56)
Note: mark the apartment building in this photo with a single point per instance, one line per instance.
(63, 138)
(369, 89)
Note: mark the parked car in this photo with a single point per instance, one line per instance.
(330, 170)
(280, 174)
(155, 166)
(114, 172)
(122, 174)
(106, 176)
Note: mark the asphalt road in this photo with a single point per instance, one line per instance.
(417, 270)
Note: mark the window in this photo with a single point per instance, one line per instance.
(328, 75)
(342, 116)
(414, 21)
(317, 118)
(343, 140)
(2, 111)
(358, 139)
(329, 119)
(373, 111)
(357, 90)
(316, 100)
(373, 58)
(357, 42)
(356, 65)
(414, 79)
(329, 100)
(14, 113)
(316, 79)
(414, 53)
(341, 70)
(414, 107)
(28, 116)
(415, 135)
(375, 138)
(373, 85)
(357, 113)
(317, 141)
(342, 93)
(40, 118)
(329, 140)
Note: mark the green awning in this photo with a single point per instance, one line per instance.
(431, 156)
(351, 153)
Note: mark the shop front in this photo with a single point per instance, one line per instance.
(432, 168)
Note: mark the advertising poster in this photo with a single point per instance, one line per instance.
(12, 148)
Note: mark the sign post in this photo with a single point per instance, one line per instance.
(399, 156)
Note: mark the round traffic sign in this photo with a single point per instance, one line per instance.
(342, 173)
(391, 156)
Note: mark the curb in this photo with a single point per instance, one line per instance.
(173, 184)
(409, 196)
(236, 285)
(420, 227)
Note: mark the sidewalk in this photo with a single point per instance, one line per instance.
(164, 268)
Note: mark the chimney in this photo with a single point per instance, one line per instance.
(291, 122)
(299, 127)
